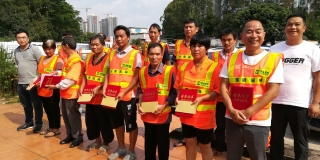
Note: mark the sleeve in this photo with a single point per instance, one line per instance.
(75, 72)
(166, 56)
(277, 76)
(224, 70)
(173, 92)
(138, 61)
(37, 53)
(315, 62)
(59, 64)
(65, 84)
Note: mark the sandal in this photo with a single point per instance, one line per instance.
(103, 149)
(51, 134)
(43, 132)
(93, 146)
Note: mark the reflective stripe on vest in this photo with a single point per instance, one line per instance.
(257, 78)
(99, 76)
(129, 65)
(216, 56)
(46, 69)
(182, 56)
(52, 65)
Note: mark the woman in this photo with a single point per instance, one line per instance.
(50, 98)
(154, 34)
(202, 75)
(97, 117)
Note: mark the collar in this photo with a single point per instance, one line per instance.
(29, 46)
(234, 50)
(129, 48)
(160, 69)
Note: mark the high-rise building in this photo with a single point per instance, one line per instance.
(83, 26)
(93, 23)
(104, 26)
(112, 22)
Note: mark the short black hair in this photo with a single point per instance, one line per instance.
(155, 25)
(69, 41)
(122, 27)
(154, 45)
(49, 44)
(202, 39)
(103, 35)
(249, 20)
(228, 31)
(297, 15)
(191, 20)
(99, 37)
(67, 33)
(21, 31)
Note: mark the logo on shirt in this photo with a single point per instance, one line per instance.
(262, 72)
(126, 65)
(204, 84)
(293, 61)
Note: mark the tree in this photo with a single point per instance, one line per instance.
(271, 15)
(42, 18)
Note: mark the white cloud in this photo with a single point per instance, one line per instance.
(131, 13)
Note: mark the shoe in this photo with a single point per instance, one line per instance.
(37, 129)
(76, 142)
(118, 153)
(68, 139)
(130, 156)
(25, 126)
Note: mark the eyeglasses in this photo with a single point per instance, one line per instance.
(21, 37)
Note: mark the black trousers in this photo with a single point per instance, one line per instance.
(71, 117)
(156, 135)
(220, 132)
(52, 109)
(298, 119)
(98, 121)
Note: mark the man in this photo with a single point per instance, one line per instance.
(27, 58)
(157, 124)
(228, 39)
(182, 51)
(64, 55)
(154, 33)
(69, 91)
(299, 96)
(122, 70)
(253, 70)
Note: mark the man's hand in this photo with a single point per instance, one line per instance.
(120, 96)
(54, 72)
(51, 86)
(238, 117)
(197, 101)
(37, 84)
(159, 109)
(95, 91)
(313, 110)
(139, 109)
(177, 101)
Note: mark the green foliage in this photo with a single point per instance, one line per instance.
(136, 42)
(8, 74)
(41, 18)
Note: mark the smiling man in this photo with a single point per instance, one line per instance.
(250, 125)
(299, 96)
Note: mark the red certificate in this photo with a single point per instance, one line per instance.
(241, 97)
(149, 101)
(185, 107)
(86, 95)
(111, 93)
(49, 80)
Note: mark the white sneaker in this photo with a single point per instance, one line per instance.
(130, 156)
(117, 153)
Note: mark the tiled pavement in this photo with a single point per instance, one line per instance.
(24, 145)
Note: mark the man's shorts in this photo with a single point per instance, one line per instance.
(125, 113)
(203, 136)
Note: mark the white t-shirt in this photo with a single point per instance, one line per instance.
(124, 53)
(299, 63)
(277, 77)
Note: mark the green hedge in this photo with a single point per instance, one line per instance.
(8, 74)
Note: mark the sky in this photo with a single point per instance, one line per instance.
(131, 13)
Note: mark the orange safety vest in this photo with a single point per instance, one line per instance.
(256, 76)
(145, 52)
(95, 76)
(121, 71)
(182, 52)
(205, 114)
(106, 50)
(46, 69)
(162, 82)
(71, 92)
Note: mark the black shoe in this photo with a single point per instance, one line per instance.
(25, 126)
(76, 142)
(67, 140)
(37, 129)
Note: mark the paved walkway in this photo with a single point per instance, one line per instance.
(24, 145)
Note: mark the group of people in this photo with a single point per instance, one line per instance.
(285, 84)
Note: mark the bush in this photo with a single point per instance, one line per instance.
(8, 74)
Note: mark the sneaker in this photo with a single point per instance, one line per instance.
(118, 153)
(130, 156)
(25, 126)
(37, 129)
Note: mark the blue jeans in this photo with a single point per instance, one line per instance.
(27, 98)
